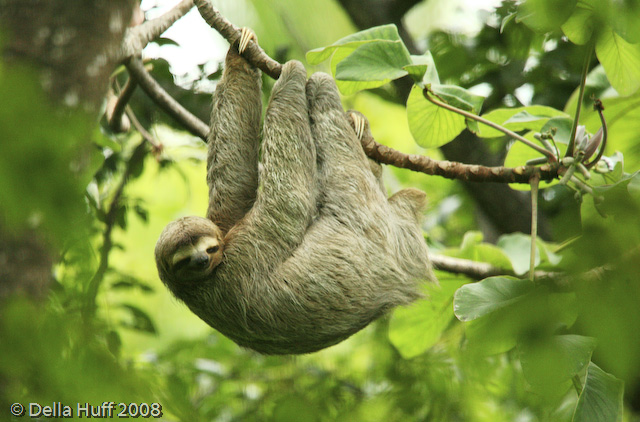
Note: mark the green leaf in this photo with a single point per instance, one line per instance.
(550, 360)
(579, 27)
(621, 61)
(417, 72)
(376, 61)
(518, 119)
(384, 32)
(139, 321)
(475, 300)
(343, 48)
(517, 247)
(624, 17)
(429, 75)
(416, 328)
(545, 15)
(601, 397)
(474, 249)
(350, 87)
(430, 125)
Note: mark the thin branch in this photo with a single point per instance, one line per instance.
(153, 89)
(479, 270)
(576, 119)
(144, 132)
(455, 170)
(489, 123)
(110, 220)
(472, 269)
(115, 117)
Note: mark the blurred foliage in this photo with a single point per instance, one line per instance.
(530, 352)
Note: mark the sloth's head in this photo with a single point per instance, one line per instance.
(188, 250)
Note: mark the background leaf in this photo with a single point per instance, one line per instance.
(554, 359)
(545, 15)
(601, 397)
(621, 61)
(478, 299)
(416, 328)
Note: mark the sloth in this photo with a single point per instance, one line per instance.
(307, 250)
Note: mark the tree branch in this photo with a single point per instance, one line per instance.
(454, 170)
(153, 89)
(253, 53)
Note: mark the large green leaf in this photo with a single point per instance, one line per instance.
(350, 87)
(365, 60)
(621, 61)
(384, 32)
(554, 359)
(601, 397)
(414, 329)
(430, 125)
(545, 15)
(376, 61)
(475, 300)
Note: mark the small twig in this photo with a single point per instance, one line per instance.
(115, 120)
(576, 119)
(535, 181)
(428, 95)
(165, 101)
(144, 132)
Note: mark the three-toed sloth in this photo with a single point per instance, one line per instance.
(300, 255)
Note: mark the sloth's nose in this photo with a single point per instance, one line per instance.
(200, 260)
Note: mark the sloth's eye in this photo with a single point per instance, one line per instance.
(213, 249)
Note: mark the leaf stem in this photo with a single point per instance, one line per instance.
(576, 119)
(534, 181)
(605, 133)
(496, 126)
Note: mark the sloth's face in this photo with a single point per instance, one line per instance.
(197, 259)
(189, 249)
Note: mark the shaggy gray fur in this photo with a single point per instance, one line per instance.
(313, 249)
